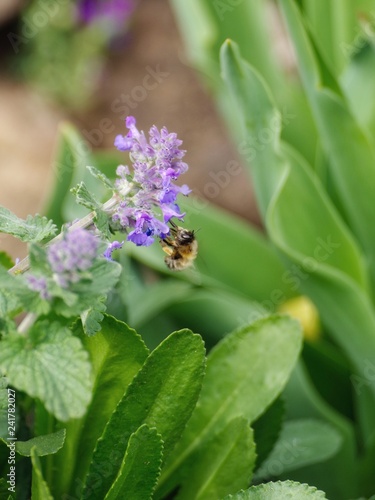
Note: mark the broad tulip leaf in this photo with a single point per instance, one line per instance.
(349, 149)
(301, 443)
(322, 257)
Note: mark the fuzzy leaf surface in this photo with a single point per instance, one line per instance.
(140, 468)
(167, 385)
(51, 365)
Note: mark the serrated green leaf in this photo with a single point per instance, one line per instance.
(49, 364)
(140, 468)
(85, 198)
(281, 490)
(82, 295)
(301, 443)
(224, 465)
(117, 353)
(259, 359)
(18, 294)
(175, 368)
(33, 229)
(39, 488)
(92, 318)
(99, 175)
(42, 445)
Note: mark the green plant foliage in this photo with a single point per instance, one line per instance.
(279, 491)
(55, 368)
(140, 468)
(32, 229)
(42, 445)
(39, 489)
(224, 464)
(259, 358)
(175, 367)
(304, 442)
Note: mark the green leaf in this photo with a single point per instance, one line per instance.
(175, 368)
(352, 168)
(92, 318)
(303, 401)
(356, 83)
(6, 260)
(39, 488)
(32, 229)
(100, 176)
(117, 353)
(71, 159)
(224, 465)
(85, 198)
(82, 295)
(301, 443)
(246, 371)
(140, 468)
(42, 445)
(49, 364)
(322, 256)
(281, 490)
(267, 429)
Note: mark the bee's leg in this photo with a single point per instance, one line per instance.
(167, 246)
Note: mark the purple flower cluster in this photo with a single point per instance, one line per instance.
(150, 192)
(116, 11)
(38, 284)
(72, 255)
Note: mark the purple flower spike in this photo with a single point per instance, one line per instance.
(38, 285)
(115, 245)
(72, 255)
(151, 191)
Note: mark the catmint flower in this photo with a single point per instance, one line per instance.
(149, 191)
(71, 256)
(115, 245)
(114, 11)
(38, 284)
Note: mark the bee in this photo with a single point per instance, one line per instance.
(181, 248)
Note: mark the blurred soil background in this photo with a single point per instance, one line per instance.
(29, 119)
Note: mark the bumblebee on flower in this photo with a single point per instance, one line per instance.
(149, 193)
